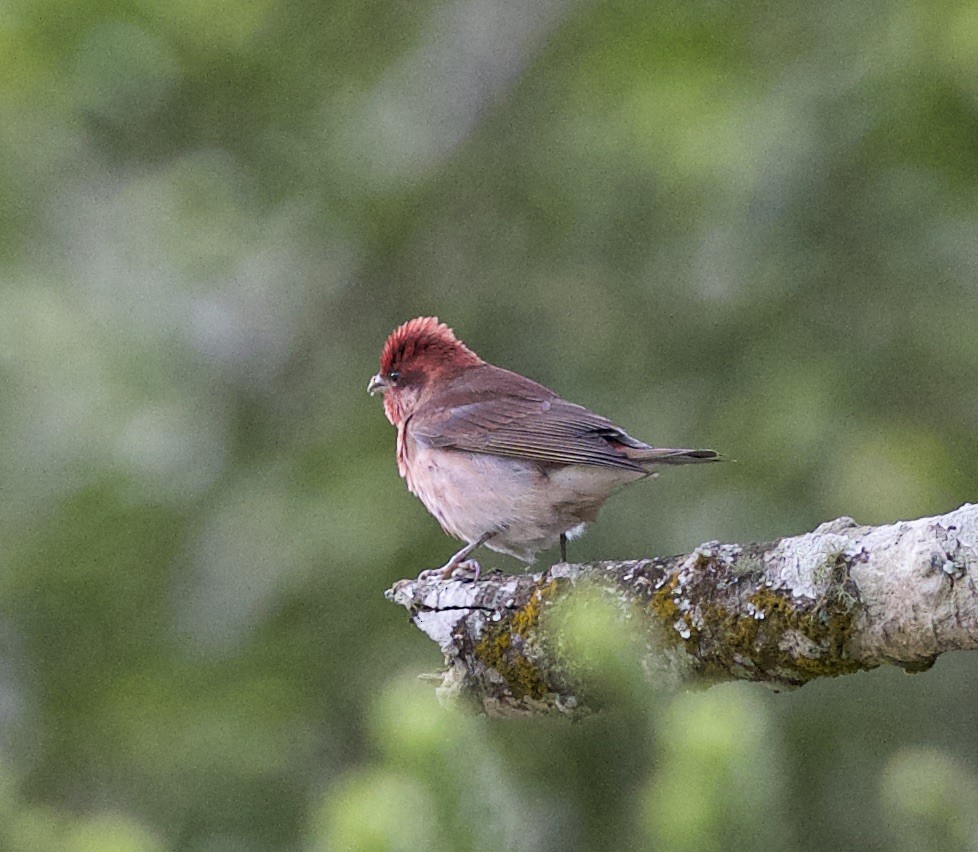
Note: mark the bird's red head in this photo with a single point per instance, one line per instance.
(417, 353)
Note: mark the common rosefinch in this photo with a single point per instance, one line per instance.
(498, 459)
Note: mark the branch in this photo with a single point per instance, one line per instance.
(841, 599)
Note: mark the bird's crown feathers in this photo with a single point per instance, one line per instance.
(424, 337)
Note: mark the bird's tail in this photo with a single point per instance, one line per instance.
(659, 455)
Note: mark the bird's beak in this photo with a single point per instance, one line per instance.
(376, 384)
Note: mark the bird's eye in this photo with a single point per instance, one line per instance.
(394, 375)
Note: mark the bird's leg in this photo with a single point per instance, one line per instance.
(563, 547)
(459, 560)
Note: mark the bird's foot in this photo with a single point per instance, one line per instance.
(467, 571)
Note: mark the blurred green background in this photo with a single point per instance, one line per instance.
(751, 226)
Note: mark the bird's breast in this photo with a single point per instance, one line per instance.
(402, 455)
(526, 504)
(469, 493)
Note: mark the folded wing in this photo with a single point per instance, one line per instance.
(505, 414)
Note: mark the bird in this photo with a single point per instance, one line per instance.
(497, 458)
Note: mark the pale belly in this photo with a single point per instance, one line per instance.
(526, 506)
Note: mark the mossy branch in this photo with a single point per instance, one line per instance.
(841, 599)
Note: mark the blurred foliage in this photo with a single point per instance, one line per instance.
(931, 801)
(751, 226)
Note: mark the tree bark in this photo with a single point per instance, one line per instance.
(841, 599)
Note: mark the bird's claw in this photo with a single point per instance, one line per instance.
(468, 570)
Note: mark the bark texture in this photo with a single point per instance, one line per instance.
(840, 599)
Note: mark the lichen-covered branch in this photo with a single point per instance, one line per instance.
(840, 599)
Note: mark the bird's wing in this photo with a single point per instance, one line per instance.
(513, 416)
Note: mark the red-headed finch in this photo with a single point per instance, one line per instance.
(498, 459)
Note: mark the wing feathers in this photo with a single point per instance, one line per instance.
(498, 412)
